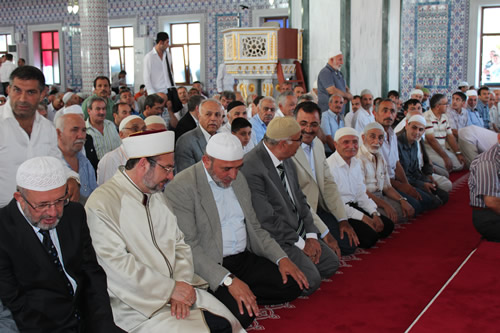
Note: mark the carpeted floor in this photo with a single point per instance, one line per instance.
(385, 288)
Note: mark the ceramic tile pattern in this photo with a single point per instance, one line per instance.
(434, 39)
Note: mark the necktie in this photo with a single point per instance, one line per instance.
(169, 72)
(51, 249)
(301, 230)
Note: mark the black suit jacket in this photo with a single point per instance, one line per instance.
(91, 153)
(184, 125)
(33, 289)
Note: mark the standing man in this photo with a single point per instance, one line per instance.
(102, 88)
(484, 184)
(242, 263)
(7, 68)
(49, 275)
(331, 81)
(280, 204)
(24, 133)
(157, 70)
(150, 271)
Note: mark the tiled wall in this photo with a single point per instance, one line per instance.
(219, 14)
(434, 42)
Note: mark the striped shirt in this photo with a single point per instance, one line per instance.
(484, 179)
(439, 128)
(106, 142)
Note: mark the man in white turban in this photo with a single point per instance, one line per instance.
(239, 259)
(49, 275)
(151, 279)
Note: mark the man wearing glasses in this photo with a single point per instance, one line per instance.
(438, 134)
(150, 270)
(280, 204)
(49, 276)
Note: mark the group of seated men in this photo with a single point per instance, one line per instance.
(189, 229)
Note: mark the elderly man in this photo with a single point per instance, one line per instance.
(281, 206)
(49, 275)
(155, 123)
(102, 89)
(121, 111)
(360, 209)
(318, 185)
(484, 184)
(190, 119)
(242, 263)
(419, 173)
(24, 133)
(376, 176)
(474, 140)
(102, 130)
(331, 81)
(364, 116)
(71, 135)
(438, 136)
(417, 94)
(287, 101)
(191, 146)
(70, 98)
(235, 109)
(475, 117)
(332, 120)
(265, 113)
(109, 163)
(151, 280)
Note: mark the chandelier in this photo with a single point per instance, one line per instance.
(73, 6)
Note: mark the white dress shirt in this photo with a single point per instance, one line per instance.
(374, 170)
(362, 118)
(351, 186)
(109, 163)
(6, 69)
(16, 147)
(390, 152)
(155, 72)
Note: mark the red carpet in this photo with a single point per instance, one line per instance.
(387, 289)
(470, 302)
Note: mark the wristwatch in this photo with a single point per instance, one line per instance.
(402, 198)
(375, 213)
(228, 280)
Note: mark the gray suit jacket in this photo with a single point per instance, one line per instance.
(320, 192)
(192, 201)
(189, 149)
(270, 200)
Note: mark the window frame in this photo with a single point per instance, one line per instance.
(52, 50)
(6, 41)
(480, 53)
(121, 49)
(184, 47)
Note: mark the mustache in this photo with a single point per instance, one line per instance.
(82, 141)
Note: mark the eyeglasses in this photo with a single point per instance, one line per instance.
(168, 170)
(135, 129)
(46, 205)
(296, 140)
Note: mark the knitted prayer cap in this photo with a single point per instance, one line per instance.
(281, 128)
(345, 131)
(42, 173)
(225, 146)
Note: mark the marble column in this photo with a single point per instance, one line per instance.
(94, 41)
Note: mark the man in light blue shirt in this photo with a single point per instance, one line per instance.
(243, 265)
(332, 120)
(474, 115)
(265, 113)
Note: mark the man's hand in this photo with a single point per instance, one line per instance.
(379, 225)
(183, 293)
(312, 249)
(408, 210)
(391, 213)
(287, 267)
(429, 187)
(73, 190)
(411, 191)
(461, 159)
(243, 295)
(332, 243)
(448, 163)
(178, 309)
(346, 228)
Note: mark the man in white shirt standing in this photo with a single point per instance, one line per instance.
(157, 70)
(7, 68)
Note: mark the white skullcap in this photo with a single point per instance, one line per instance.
(373, 125)
(155, 120)
(73, 109)
(225, 146)
(82, 95)
(417, 118)
(42, 173)
(149, 143)
(125, 121)
(3, 96)
(471, 93)
(366, 92)
(336, 53)
(463, 84)
(417, 92)
(345, 131)
(67, 96)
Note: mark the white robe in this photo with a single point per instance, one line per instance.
(143, 253)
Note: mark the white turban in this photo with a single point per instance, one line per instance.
(345, 131)
(67, 96)
(149, 143)
(418, 118)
